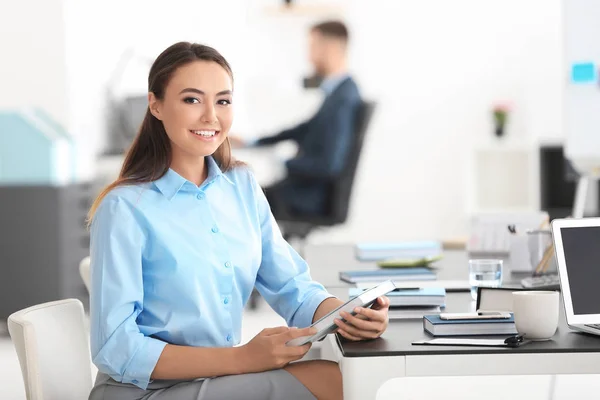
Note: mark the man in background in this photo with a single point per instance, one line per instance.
(325, 140)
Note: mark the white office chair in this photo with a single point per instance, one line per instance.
(84, 271)
(52, 346)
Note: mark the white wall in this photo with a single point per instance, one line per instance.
(111, 45)
(32, 61)
(435, 68)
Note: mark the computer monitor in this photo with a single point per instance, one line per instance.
(124, 121)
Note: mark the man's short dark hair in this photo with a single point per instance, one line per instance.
(335, 29)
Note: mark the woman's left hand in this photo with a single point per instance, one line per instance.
(368, 323)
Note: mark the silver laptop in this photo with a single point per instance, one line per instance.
(577, 246)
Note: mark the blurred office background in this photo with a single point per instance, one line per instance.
(431, 159)
(435, 68)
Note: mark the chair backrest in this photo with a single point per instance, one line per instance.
(341, 190)
(84, 271)
(52, 346)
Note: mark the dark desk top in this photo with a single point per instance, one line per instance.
(327, 261)
(396, 341)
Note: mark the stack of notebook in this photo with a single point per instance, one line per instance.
(439, 327)
(395, 274)
(412, 303)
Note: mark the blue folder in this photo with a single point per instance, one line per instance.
(373, 251)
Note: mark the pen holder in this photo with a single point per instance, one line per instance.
(520, 260)
(541, 251)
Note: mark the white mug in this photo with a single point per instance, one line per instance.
(536, 313)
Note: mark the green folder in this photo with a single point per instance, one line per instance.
(409, 262)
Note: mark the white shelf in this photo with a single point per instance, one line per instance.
(503, 177)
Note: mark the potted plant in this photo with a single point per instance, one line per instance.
(500, 112)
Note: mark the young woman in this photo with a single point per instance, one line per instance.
(177, 244)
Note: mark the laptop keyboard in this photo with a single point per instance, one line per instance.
(594, 326)
(544, 281)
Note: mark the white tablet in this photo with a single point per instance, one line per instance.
(326, 325)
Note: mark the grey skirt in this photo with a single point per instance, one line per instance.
(269, 385)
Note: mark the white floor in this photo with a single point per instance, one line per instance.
(464, 388)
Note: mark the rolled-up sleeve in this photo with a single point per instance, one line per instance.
(283, 277)
(118, 347)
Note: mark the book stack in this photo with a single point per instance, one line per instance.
(439, 327)
(412, 303)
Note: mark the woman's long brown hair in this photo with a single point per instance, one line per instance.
(149, 156)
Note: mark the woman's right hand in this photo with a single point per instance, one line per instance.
(267, 350)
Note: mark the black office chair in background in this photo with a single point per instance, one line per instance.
(298, 227)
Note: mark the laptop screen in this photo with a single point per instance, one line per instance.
(582, 259)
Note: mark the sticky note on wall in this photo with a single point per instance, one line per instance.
(583, 73)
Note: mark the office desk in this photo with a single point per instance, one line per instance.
(267, 164)
(366, 366)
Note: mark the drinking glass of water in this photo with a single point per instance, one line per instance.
(484, 273)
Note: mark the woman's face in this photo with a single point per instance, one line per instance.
(196, 110)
